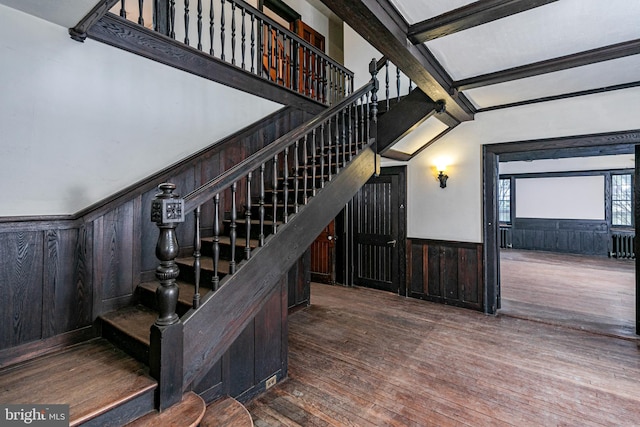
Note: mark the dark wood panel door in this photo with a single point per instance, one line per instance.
(323, 255)
(378, 232)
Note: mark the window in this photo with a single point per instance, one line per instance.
(504, 200)
(621, 200)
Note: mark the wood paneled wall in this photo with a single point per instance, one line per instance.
(561, 235)
(445, 272)
(258, 354)
(58, 274)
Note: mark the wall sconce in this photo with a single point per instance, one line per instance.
(442, 177)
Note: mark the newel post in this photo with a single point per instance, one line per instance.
(166, 344)
(373, 123)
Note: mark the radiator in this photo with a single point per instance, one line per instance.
(505, 237)
(622, 245)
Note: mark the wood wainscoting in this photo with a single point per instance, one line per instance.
(445, 272)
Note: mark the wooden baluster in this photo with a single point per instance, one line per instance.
(247, 218)
(356, 130)
(269, 50)
(233, 33)
(313, 163)
(232, 228)
(296, 176)
(259, 58)
(398, 83)
(243, 40)
(166, 212)
(332, 84)
(363, 133)
(278, 57)
(329, 151)
(344, 136)
(296, 66)
(309, 84)
(285, 185)
(140, 9)
(324, 82)
(215, 280)
(274, 193)
(222, 30)
(368, 117)
(305, 70)
(305, 169)
(156, 11)
(172, 19)
(316, 77)
(350, 122)
(211, 28)
(197, 246)
(386, 82)
(337, 142)
(253, 44)
(261, 206)
(199, 24)
(123, 11)
(186, 22)
(321, 155)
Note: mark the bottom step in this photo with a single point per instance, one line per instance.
(187, 413)
(226, 412)
(100, 383)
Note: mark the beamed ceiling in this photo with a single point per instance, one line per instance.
(483, 55)
(493, 54)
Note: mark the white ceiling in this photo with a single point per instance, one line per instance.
(557, 29)
(62, 12)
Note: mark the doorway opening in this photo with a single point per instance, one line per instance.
(556, 270)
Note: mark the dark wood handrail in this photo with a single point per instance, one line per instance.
(203, 193)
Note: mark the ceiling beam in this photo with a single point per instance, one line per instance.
(463, 18)
(605, 53)
(378, 22)
(561, 96)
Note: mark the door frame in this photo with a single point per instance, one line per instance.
(625, 142)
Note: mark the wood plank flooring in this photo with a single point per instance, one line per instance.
(581, 292)
(361, 357)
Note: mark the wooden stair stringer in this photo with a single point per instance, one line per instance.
(223, 315)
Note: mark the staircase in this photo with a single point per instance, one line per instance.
(251, 224)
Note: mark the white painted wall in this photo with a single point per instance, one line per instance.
(574, 197)
(455, 213)
(358, 55)
(81, 121)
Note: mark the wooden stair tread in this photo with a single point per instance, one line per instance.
(206, 263)
(240, 242)
(226, 412)
(187, 413)
(136, 321)
(92, 378)
(186, 290)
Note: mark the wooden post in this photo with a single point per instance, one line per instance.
(167, 210)
(373, 124)
(166, 341)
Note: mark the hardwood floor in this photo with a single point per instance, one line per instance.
(581, 292)
(361, 357)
